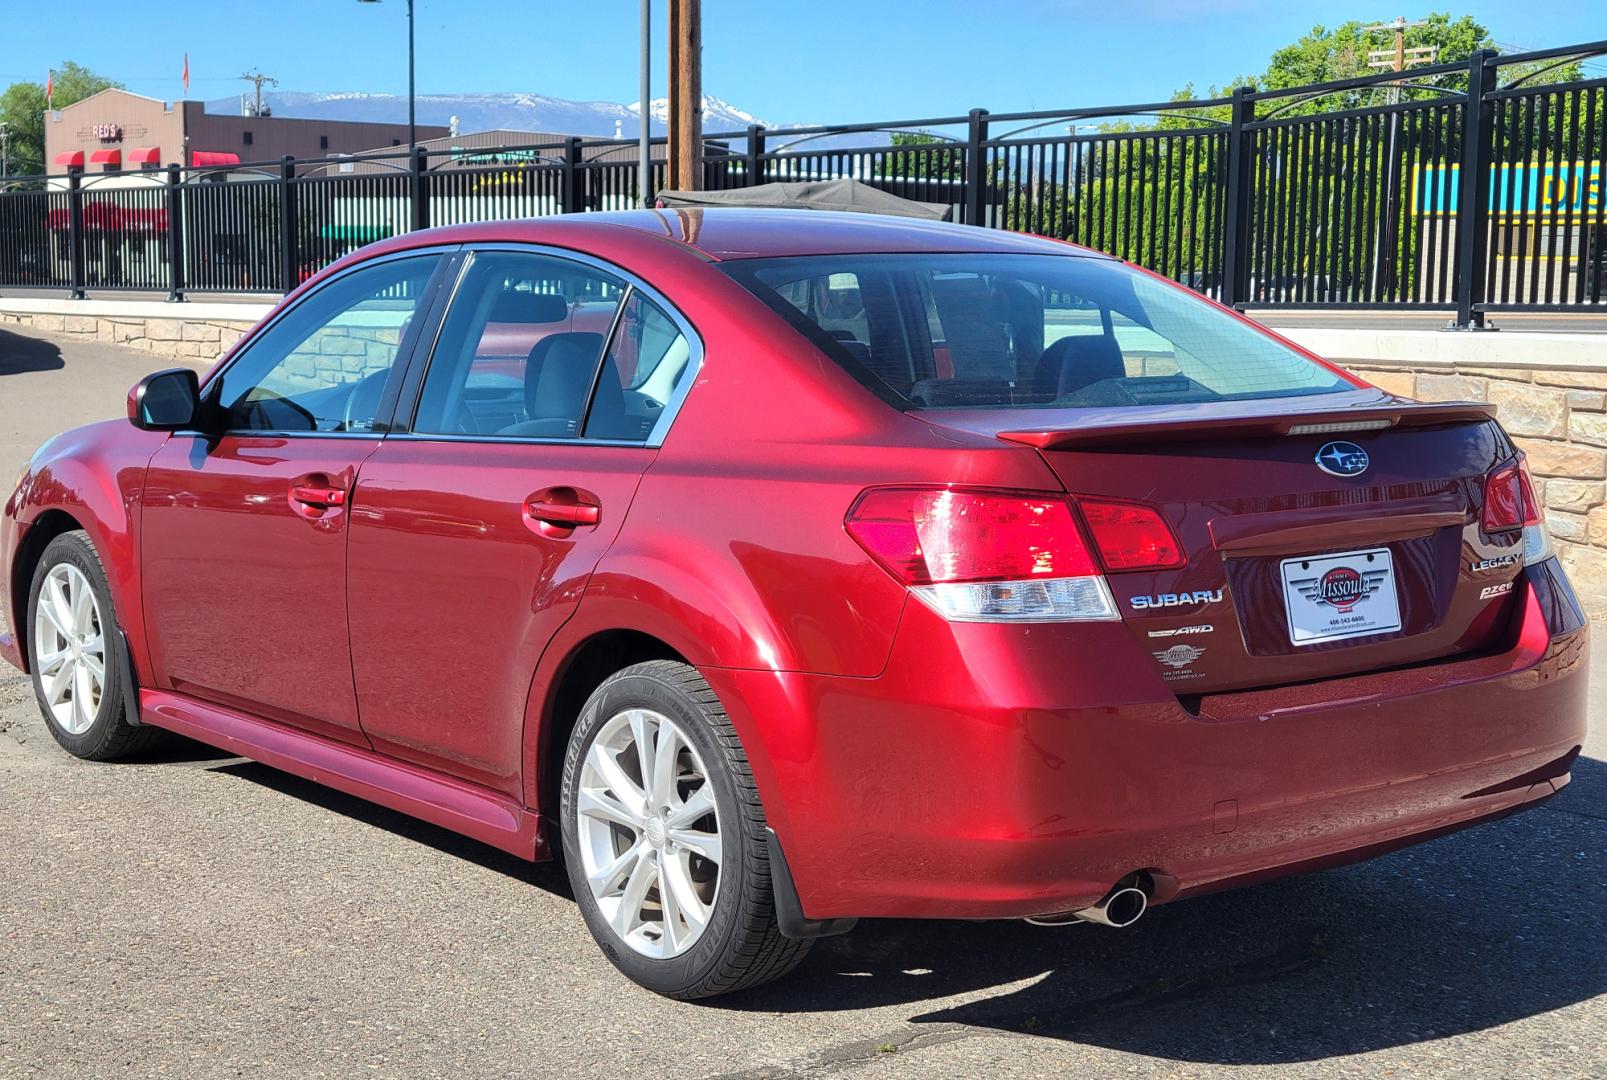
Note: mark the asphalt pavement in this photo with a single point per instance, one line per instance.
(193, 914)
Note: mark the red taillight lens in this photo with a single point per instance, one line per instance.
(1509, 501)
(1131, 536)
(933, 535)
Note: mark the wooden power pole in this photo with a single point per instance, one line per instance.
(686, 95)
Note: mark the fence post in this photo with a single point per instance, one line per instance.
(1241, 180)
(287, 224)
(755, 164)
(75, 233)
(419, 196)
(976, 167)
(1473, 191)
(571, 176)
(175, 234)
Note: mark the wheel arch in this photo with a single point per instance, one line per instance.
(579, 670)
(35, 539)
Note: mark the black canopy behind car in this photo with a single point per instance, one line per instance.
(811, 195)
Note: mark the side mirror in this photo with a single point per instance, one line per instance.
(165, 400)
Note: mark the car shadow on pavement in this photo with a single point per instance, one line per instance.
(1478, 929)
(548, 876)
(1474, 930)
(19, 354)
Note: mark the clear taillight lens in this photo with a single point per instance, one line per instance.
(977, 555)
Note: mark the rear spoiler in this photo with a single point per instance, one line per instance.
(1190, 424)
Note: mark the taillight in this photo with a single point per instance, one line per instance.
(984, 556)
(1503, 499)
(1131, 536)
(1510, 503)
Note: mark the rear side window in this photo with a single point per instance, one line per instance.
(518, 353)
(1001, 331)
(645, 363)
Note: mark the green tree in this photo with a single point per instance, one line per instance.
(1150, 189)
(22, 110)
(920, 155)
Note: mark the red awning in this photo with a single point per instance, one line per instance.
(103, 216)
(72, 159)
(145, 155)
(203, 158)
(106, 157)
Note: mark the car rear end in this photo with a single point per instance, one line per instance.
(1258, 617)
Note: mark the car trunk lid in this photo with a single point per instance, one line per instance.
(1292, 573)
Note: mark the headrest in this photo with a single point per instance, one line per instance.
(518, 306)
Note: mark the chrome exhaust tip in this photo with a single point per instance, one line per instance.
(1122, 906)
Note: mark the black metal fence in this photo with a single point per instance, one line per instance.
(1469, 187)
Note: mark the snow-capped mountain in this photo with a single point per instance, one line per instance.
(486, 112)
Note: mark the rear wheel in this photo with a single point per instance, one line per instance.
(664, 838)
(77, 676)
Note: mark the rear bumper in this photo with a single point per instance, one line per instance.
(995, 772)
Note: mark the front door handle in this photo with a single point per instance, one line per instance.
(317, 495)
(564, 515)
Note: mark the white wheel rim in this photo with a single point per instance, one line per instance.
(69, 648)
(649, 833)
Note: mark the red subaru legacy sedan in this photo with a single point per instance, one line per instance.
(782, 569)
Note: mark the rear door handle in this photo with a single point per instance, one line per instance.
(316, 495)
(564, 515)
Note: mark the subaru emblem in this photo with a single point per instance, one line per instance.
(1342, 459)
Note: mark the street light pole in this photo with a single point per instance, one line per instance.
(412, 97)
(644, 164)
(412, 108)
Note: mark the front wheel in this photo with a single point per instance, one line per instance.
(77, 677)
(664, 838)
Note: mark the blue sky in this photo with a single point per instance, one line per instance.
(817, 61)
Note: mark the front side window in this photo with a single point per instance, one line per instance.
(518, 353)
(324, 365)
(1025, 331)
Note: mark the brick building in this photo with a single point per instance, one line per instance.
(115, 131)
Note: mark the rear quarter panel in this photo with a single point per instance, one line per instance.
(734, 551)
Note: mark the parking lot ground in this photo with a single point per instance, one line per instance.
(193, 914)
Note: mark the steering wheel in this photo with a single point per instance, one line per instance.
(363, 401)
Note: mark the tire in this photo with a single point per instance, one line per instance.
(93, 726)
(738, 945)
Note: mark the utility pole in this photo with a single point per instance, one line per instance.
(1397, 60)
(644, 144)
(1400, 57)
(257, 78)
(686, 95)
(5, 150)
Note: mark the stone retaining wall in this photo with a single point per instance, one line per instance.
(195, 340)
(1559, 418)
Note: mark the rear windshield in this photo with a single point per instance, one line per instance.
(999, 331)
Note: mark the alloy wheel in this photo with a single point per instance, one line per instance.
(70, 648)
(649, 833)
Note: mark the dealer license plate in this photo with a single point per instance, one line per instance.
(1331, 597)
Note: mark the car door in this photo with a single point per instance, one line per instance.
(244, 527)
(474, 533)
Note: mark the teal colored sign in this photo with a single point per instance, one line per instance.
(1562, 189)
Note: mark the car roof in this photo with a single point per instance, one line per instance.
(723, 234)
